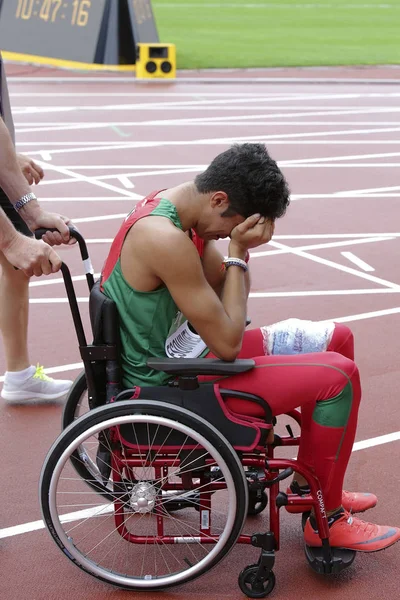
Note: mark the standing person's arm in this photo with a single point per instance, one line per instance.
(16, 187)
(32, 256)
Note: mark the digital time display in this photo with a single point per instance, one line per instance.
(76, 12)
(85, 31)
(65, 29)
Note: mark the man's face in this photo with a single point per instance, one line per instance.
(212, 226)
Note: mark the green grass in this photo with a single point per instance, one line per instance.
(273, 33)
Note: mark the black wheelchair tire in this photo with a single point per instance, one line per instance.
(158, 409)
(69, 417)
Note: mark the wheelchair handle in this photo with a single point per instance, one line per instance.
(74, 233)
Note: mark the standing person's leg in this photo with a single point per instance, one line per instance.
(22, 380)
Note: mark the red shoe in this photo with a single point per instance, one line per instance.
(353, 534)
(355, 502)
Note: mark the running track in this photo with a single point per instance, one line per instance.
(103, 144)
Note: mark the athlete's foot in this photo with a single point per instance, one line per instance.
(346, 531)
(355, 502)
(35, 386)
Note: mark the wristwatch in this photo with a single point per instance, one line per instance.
(24, 200)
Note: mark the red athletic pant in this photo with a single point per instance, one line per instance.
(327, 387)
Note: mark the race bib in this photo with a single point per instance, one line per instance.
(183, 341)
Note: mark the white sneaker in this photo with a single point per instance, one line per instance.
(36, 387)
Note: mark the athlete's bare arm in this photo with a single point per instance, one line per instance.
(212, 263)
(156, 253)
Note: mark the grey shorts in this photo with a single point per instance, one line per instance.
(12, 214)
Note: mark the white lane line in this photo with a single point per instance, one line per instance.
(368, 315)
(395, 188)
(350, 292)
(214, 103)
(55, 300)
(345, 157)
(222, 140)
(305, 293)
(43, 281)
(105, 198)
(107, 508)
(43, 127)
(131, 93)
(320, 246)
(46, 155)
(78, 177)
(100, 510)
(100, 218)
(327, 236)
(357, 261)
(78, 144)
(334, 265)
(126, 182)
(377, 441)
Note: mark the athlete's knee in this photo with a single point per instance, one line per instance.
(341, 364)
(342, 341)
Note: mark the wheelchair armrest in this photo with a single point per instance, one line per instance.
(200, 366)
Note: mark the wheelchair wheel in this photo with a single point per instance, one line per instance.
(84, 458)
(133, 541)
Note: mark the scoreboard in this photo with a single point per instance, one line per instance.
(85, 31)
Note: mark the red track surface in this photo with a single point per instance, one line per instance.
(339, 146)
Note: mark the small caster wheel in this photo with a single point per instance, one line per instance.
(257, 504)
(304, 518)
(254, 589)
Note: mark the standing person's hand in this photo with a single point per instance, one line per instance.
(35, 217)
(33, 257)
(32, 172)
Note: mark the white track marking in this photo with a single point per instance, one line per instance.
(78, 177)
(38, 127)
(368, 315)
(377, 441)
(357, 261)
(306, 293)
(57, 280)
(372, 190)
(67, 518)
(335, 265)
(220, 120)
(126, 182)
(320, 246)
(94, 199)
(56, 300)
(107, 508)
(217, 141)
(327, 236)
(100, 218)
(131, 93)
(346, 157)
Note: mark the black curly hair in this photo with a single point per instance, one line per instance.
(251, 179)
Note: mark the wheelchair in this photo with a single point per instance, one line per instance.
(148, 488)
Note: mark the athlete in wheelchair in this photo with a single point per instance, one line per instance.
(178, 447)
